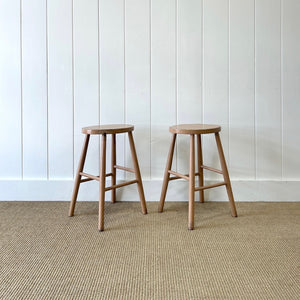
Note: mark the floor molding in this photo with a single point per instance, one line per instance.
(61, 190)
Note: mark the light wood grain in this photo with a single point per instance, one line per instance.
(225, 175)
(211, 169)
(137, 173)
(186, 177)
(210, 186)
(78, 175)
(167, 174)
(192, 182)
(184, 129)
(200, 169)
(107, 129)
(194, 129)
(113, 169)
(110, 129)
(124, 168)
(102, 183)
(114, 187)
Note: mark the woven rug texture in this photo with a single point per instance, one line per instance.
(44, 254)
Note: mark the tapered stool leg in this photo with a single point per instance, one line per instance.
(200, 169)
(226, 175)
(137, 173)
(192, 183)
(113, 169)
(167, 174)
(78, 176)
(102, 183)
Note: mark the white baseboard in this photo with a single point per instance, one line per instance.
(61, 190)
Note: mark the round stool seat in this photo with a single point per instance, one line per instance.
(108, 129)
(194, 128)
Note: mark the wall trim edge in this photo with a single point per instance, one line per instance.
(61, 190)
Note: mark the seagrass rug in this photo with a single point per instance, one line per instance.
(44, 254)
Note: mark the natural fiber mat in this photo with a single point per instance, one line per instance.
(46, 255)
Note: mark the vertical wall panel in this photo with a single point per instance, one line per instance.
(10, 90)
(34, 83)
(189, 108)
(60, 95)
(86, 95)
(137, 76)
(291, 88)
(112, 71)
(216, 62)
(66, 64)
(268, 92)
(163, 85)
(241, 90)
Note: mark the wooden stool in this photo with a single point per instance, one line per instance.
(104, 130)
(192, 130)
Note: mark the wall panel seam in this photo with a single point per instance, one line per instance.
(47, 88)
(202, 61)
(125, 91)
(150, 83)
(98, 44)
(281, 87)
(229, 74)
(73, 97)
(21, 90)
(176, 74)
(255, 108)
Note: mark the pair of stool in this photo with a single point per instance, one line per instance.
(191, 129)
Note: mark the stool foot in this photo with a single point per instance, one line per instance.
(102, 183)
(78, 176)
(167, 174)
(192, 182)
(137, 173)
(226, 175)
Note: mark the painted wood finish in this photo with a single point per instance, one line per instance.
(70, 64)
(11, 136)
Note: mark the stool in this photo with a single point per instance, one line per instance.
(198, 130)
(103, 130)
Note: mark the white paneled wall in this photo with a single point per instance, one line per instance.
(11, 115)
(242, 89)
(66, 64)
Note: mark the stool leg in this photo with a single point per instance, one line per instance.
(225, 175)
(167, 174)
(192, 182)
(137, 173)
(200, 163)
(102, 183)
(113, 169)
(78, 176)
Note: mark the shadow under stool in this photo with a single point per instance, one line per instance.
(104, 130)
(196, 130)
